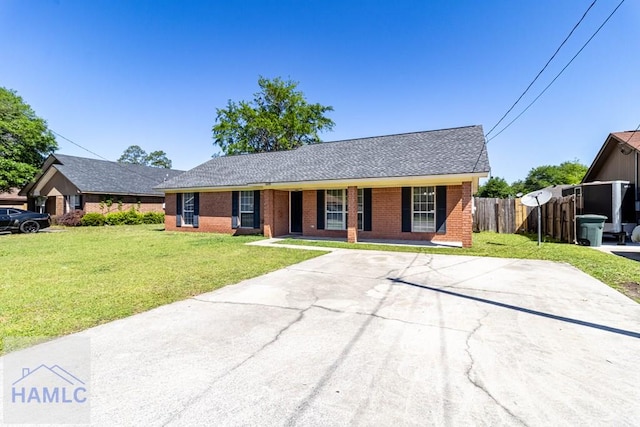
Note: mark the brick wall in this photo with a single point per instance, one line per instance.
(387, 217)
(215, 214)
(142, 204)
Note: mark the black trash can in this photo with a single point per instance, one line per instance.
(589, 229)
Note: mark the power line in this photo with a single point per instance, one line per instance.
(632, 133)
(560, 73)
(78, 145)
(543, 68)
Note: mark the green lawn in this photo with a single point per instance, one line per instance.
(620, 273)
(57, 283)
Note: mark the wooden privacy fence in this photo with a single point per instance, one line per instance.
(510, 216)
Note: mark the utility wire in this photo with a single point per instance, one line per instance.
(560, 73)
(543, 68)
(632, 133)
(104, 158)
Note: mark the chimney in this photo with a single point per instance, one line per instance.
(25, 372)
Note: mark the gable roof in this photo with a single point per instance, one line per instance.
(630, 138)
(104, 177)
(438, 152)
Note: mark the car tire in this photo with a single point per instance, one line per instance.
(29, 227)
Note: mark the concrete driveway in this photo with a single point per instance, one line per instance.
(377, 338)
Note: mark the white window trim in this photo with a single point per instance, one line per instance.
(252, 211)
(431, 229)
(344, 209)
(185, 196)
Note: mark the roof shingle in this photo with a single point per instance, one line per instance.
(438, 152)
(101, 176)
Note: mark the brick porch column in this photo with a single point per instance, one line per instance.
(352, 218)
(467, 219)
(269, 217)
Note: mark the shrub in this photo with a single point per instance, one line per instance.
(115, 218)
(71, 219)
(132, 217)
(93, 219)
(153, 218)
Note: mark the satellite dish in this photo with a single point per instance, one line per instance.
(536, 198)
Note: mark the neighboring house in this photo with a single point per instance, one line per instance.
(66, 183)
(13, 199)
(617, 160)
(413, 186)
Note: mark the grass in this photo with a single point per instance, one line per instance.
(57, 283)
(615, 271)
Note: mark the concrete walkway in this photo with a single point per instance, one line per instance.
(374, 338)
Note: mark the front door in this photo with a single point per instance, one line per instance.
(296, 212)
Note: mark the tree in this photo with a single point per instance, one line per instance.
(278, 118)
(544, 176)
(134, 154)
(495, 187)
(159, 159)
(25, 141)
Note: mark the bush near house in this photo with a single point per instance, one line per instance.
(95, 219)
(70, 219)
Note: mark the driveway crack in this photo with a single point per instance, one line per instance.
(277, 336)
(255, 304)
(477, 383)
(377, 316)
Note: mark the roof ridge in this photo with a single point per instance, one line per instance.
(123, 164)
(403, 133)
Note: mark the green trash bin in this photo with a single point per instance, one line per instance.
(589, 229)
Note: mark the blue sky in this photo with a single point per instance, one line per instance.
(109, 74)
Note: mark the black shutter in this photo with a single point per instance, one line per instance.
(179, 210)
(235, 221)
(256, 208)
(406, 209)
(196, 210)
(367, 221)
(320, 203)
(80, 204)
(441, 209)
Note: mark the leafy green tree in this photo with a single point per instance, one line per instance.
(518, 187)
(25, 141)
(544, 176)
(495, 187)
(278, 118)
(159, 159)
(134, 154)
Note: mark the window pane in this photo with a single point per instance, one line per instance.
(246, 201)
(335, 209)
(360, 225)
(187, 208)
(424, 209)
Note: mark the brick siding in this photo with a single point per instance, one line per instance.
(215, 215)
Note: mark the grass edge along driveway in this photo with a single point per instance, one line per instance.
(619, 273)
(54, 284)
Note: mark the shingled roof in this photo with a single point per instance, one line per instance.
(438, 152)
(104, 177)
